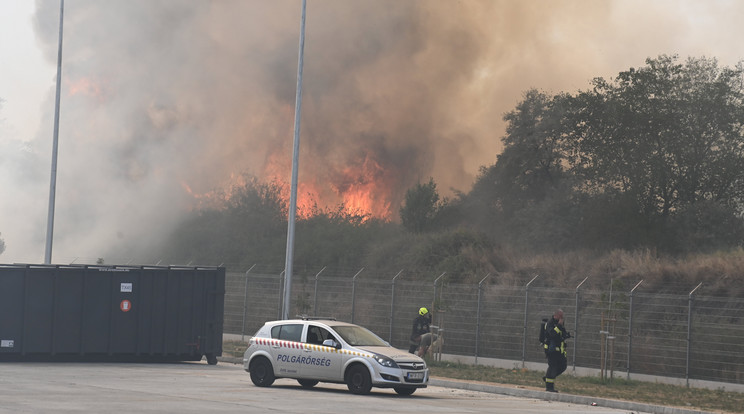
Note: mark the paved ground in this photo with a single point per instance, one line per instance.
(43, 387)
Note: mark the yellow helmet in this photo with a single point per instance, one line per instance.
(423, 311)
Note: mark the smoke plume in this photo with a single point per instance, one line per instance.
(166, 101)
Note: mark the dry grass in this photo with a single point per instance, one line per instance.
(234, 348)
(617, 389)
(722, 273)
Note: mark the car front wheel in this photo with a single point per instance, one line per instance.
(358, 379)
(262, 373)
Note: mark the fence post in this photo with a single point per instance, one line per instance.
(477, 318)
(315, 299)
(245, 303)
(433, 303)
(440, 324)
(630, 324)
(689, 332)
(524, 333)
(353, 293)
(576, 323)
(392, 306)
(281, 296)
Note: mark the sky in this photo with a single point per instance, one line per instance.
(168, 104)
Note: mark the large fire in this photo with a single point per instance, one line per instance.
(361, 189)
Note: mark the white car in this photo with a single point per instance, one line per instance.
(312, 351)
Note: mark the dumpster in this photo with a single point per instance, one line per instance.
(111, 313)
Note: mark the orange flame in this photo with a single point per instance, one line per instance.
(361, 189)
(276, 170)
(364, 190)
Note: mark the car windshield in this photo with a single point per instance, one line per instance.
(358, 336)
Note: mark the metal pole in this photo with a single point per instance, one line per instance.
(295, 165)
(630, 324)
(55, 144)
(353, 293)
(477, 318)
(524, 333)
(689, 332)
(392, 306)
(315, 299)
(245, 303)
(576, 323)
(433, 303)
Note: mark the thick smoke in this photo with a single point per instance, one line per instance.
(165, 101)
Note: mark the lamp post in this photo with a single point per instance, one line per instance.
(295, 162)
(53, 180)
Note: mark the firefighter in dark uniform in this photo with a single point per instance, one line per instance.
(555, 349)
(420, 329)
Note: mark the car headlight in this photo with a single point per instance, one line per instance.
(385, 361)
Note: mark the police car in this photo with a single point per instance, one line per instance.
(315, 350)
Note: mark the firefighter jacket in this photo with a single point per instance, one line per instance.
(420, 326)
(556, 336)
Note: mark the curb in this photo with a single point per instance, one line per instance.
(567, 398)
(539, 395)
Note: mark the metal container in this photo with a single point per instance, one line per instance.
(111, 313)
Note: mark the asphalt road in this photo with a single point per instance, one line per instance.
(40, 387)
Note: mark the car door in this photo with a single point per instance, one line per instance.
(321, 362)
(287, 349)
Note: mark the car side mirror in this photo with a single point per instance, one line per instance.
(332, 343)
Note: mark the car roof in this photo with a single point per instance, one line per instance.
(328, 322)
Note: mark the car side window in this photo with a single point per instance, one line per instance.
(288, 332)
(316, 335)
(313, 335)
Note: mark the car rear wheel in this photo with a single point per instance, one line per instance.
(404, 390)
(306, 383)
(262, 373)
(358, 379)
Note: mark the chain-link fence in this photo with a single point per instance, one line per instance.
(682, 336)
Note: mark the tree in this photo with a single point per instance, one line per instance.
(618, 165)
(668, 136)
(527, 193)
(531, 165)
(668, 133)
(420, 207)
(243, 227)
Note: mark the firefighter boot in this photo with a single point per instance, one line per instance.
(550, 385)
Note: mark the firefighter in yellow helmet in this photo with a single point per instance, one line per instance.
(420, 335)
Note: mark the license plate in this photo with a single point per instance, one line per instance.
(415, 375)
